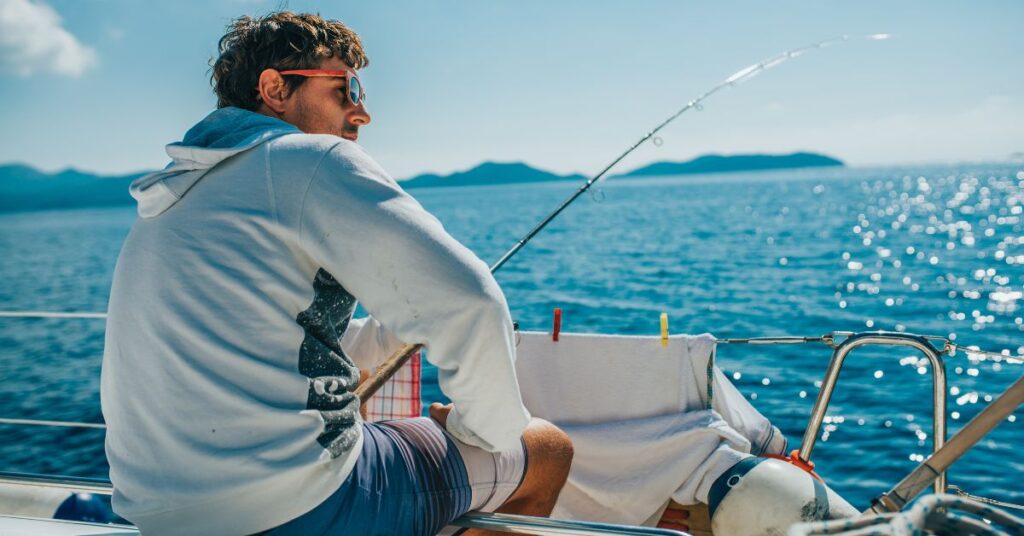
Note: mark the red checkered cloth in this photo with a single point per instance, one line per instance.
(399, 398)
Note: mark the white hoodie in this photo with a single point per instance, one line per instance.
(225, 386)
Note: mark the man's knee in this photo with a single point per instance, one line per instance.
(549, 457)
(549, 449)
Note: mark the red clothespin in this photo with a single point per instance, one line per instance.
(557, 327)
(795, 459)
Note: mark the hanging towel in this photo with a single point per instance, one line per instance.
(648, 422)
(399, 397)
(369, 344)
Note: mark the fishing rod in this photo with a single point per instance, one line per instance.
(738, 77)
(367, 389)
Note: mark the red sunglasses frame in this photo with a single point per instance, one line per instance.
(348, 75)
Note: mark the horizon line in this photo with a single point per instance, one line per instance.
(1012, 159)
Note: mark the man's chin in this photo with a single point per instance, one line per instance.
(350, 135)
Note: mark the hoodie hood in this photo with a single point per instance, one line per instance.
(222, 134)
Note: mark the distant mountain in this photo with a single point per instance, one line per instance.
(488, 173)
(26, 188)
(714, 163)
(517, 172)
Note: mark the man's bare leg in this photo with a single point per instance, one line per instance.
(549, 457)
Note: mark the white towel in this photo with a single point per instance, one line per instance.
(645, 423)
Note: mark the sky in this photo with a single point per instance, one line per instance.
(103, 85)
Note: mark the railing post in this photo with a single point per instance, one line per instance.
(882, 339)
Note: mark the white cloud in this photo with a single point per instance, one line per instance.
(32, 39)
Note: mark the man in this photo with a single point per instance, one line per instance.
(228, 367)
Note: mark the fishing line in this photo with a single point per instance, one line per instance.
(366, 389)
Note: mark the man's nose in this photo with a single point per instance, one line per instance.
(360, 116)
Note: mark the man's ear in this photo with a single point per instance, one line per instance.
(273, 90)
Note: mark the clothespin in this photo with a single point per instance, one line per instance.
(664, 329)
(557, 326)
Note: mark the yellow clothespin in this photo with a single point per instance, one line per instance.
(664, 329)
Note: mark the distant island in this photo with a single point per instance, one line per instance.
(516, 172)
(488, 173)
(714, 163)
(25, 188)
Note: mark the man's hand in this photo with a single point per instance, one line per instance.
(439, 413)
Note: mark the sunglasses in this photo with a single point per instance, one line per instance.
(355, 92)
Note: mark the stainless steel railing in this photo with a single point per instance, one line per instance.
(44, 422)
(542, 525)
(857, 340)
(98, 486)
(841, 351)
(50, 314)
(514, 524)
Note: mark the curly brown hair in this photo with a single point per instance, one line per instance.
(282, 40)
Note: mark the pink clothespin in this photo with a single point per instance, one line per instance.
(557, 327)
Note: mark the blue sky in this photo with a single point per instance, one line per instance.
(103, 85)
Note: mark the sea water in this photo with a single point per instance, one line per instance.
(937, 251)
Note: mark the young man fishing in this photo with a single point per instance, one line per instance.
(230, 349)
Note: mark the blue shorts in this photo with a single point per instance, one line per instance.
(410, 478)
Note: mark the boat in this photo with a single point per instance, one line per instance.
(30, 502)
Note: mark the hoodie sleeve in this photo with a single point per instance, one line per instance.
(426, 287)
(369, 343)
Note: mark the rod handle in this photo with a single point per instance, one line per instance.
(384, 372)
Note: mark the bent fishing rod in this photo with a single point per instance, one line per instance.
(383, 373)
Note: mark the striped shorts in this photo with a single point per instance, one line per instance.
(412, 478)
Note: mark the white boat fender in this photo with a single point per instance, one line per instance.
(764, 496)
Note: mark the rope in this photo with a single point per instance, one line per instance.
(958, 491)
(972, 352)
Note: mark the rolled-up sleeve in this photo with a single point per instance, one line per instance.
(368, 342)
(423, 285)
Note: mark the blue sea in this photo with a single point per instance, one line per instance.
(928, 250)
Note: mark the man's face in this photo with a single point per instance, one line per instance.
(320, 106)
